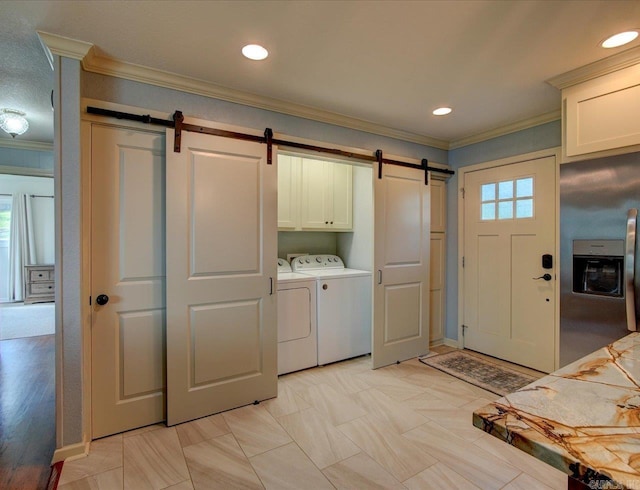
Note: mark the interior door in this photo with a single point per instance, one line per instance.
(509, 223)
(221, 269)
(401, 255)
(128, 266)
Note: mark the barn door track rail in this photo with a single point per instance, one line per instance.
(179, 126)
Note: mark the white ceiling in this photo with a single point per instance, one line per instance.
(387, 62)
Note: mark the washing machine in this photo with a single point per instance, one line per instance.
(297, 332)
(344, 306)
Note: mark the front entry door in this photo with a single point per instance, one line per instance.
(401, 287)
(128, 266)
(509, 224)
(221, 268)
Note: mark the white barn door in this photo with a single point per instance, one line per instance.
(401, 282)
(221, 227)
(127, 268)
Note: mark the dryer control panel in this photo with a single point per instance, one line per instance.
(315, 262)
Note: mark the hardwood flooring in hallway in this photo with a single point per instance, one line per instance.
(27, 412)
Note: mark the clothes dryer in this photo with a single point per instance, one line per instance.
(297, 333)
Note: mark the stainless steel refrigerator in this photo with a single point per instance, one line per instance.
(599, 293)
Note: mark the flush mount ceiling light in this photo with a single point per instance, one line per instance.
(442, 111)
(619, 39)
(255, 52)
(13, 122)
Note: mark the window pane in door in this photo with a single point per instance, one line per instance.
(505, 210)
(488, 211)
(488, 192)
(524, 208)
(524, 187)
(505, 190)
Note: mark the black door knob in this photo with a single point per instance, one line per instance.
(102, 299)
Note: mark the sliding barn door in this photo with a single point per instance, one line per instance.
(127, 269)
(221, 266)
(401, 287)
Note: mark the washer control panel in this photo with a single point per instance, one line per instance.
(283, 265)
(314, 262)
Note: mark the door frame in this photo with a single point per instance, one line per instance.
(551, 152)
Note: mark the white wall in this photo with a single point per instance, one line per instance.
(356, 249)
(311, 242)
(42, 208)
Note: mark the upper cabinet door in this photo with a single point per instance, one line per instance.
(288, 192)
(314, 195)
(326, 195)
(602, 114)
(340, 179)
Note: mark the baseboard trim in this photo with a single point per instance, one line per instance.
(71, 452)
(451, 343)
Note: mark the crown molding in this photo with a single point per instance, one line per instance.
(103, 65)
(93, 61)
(26, 145)
(596, 69)
(63, 46)
(507, 129)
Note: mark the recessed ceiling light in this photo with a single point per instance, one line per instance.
(255, 52)
(619, 39)
(442, 111)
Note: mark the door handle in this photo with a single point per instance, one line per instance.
(629, 271)
(379, 276)
(546, 277)
(270, 286)
(102, 299)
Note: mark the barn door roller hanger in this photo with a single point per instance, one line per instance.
(179, 126)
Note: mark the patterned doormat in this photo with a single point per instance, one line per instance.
(480, 372)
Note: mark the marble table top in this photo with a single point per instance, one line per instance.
(583, 419)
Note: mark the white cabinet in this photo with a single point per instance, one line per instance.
(601, 115)
(288, 192)
(340, 195)
(40, 284)
(326, 197)
(314, 195)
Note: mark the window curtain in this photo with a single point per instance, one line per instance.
(22, 250)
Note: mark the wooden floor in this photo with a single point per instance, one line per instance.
(27, 412)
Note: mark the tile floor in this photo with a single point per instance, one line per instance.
(341, 426)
